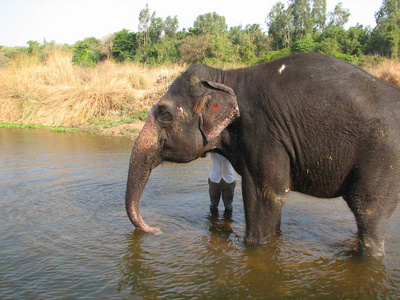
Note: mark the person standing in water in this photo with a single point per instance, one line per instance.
(221, 183)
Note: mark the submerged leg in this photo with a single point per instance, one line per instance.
(265, 186)
(373, 202)
(228, 191)
(263, 211)
(372, 216)
(214, 190)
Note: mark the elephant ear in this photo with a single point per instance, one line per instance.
(216, 109)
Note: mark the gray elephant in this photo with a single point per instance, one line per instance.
(307, 122)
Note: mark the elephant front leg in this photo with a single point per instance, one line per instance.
(263, 209)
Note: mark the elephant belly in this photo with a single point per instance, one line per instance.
(319, 183)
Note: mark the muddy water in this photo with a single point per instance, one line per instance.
(64, 233)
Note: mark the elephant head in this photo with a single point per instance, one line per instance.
(182, 125)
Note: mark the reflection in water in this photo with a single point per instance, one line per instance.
(220, 230)
(65, 233)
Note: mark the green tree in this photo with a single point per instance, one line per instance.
(302, 21)
(307, 44)
(319, 14)
(250, 43)
(159, 53)
(125, 45)
(392, 39)
(221, 50)
(242, 44)
(258, 38)
(171, 26)
(339, 17)
(33, 46)
(155, 29)
(87, 52)
(387, 33)
(246, 50)
(389, 10)
(331, 40)
(144, 23)
(356, 41)
(210, 23)
(329, 46)
(280, 28)
(235, 34)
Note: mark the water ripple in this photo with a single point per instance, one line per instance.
(65, 233)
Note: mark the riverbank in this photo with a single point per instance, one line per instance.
(119, 128)
(109, 99)
(112, 128)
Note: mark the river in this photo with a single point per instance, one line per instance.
(65, 233)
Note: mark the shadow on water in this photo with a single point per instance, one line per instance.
(215, 263)
(65, 233)
(225, 269)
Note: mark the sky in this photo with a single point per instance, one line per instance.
(68, 21)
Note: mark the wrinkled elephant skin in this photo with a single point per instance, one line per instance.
(307, 122)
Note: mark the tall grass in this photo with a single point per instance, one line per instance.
(388, 70)
(57, 93)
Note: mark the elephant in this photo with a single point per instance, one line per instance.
(307, 122)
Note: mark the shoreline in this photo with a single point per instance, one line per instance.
(127, 130)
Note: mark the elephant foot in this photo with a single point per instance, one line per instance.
(371, 248)
(259, 238)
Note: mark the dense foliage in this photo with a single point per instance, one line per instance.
(298, 26)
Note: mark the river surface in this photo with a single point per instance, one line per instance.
(64, 233)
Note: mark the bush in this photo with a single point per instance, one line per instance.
(329, 46)
(125, 45)
(305, 45)
(276, 54)
(194, 48)
(159, 53)
(87, 52)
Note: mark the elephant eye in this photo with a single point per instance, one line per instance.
(164, 116)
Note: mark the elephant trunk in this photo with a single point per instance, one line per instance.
(145, 157)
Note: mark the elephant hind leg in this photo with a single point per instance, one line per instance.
(372, 208)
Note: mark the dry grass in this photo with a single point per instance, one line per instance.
(58, 93)
(388, 70)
